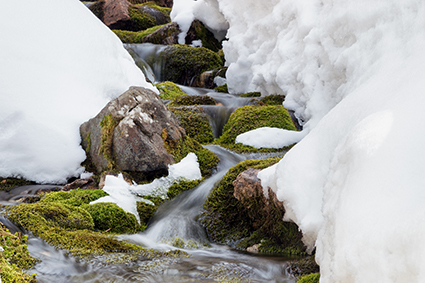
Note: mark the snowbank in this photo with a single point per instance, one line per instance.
(267, 137)
(59, 66)
(353, 72)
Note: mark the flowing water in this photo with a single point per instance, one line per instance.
(174, 222)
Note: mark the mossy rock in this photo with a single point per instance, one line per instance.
(180, 187)
(222, 88)
(7, 184)
(198, 31)
(251, 94)
(140, 20)
(112, 218)
(127, 36)
(188, 100)
(273, 99)
(311, 278)
(152, 4)
(60, 225)
(183, 64)
(169, 90)
(228, 221)
(15, 258)
(75, 197)
(207, 160)
(146, 211)
(248, 118)
(97, 9)
(195, 123)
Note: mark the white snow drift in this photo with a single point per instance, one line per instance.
(59, 66)
(353, 72)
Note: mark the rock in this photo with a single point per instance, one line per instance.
(198, 31)
(159, 17)
(127, 134)
(115, 13)
(166, 35)
(247, 186)
(88, 183)
(254, 249)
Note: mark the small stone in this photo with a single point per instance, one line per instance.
(254, 249)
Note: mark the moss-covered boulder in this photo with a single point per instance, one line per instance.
(195, 122)
(169, 90)
(230, 221)
(183, 64)
(127, 36)
(198, 31)
(189, 100)
(248, 118)
(311, 278)
(15, 258)
(166, 35)
(112, 218)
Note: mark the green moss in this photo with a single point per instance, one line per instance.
(14, 257)
(206, 36)
(225, 218)
(188, 100)
(169, 90)
(127, 36)
(195, 123)
(273, 99)
(75, 197)
(60, 225)
(180, 187)
(207, 159)
(7, 184)
(164, 10)
(249, 118)
(141, 21)
(112, 218)
(146, 211)
(222, 88)
(311, 278)
(251, 94)
(184, 64)
(107, 126)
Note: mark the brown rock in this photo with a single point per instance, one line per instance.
(115, 13)
(135, 143)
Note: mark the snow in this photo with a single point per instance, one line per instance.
(353, 73)
(267, 137)
(126, 195)
(59, 66)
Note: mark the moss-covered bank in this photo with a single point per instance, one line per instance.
(227, 221)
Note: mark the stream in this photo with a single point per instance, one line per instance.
(174, 220)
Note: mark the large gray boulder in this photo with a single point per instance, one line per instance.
(127, 134)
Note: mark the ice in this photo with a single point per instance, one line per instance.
(59, 66)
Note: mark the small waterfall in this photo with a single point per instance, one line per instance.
(177, 218)
(148, 59)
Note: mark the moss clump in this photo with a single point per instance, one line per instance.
(112, 218)
(207, 159)
(127, 36)
(75, 197)
(146, 211)
(225, 218)
(206, 36)
(273, 99)
(14, 257)
(140, 20)
(195, 123)
(228, 221)
(311, 278)
(107, 126)
(164, 10)
(183, 64)
(248, 118)
(180, 187)
(7, 184)
(169, 90)
(222, 88)
(188, 100)
(251, 94)
(66, 227)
